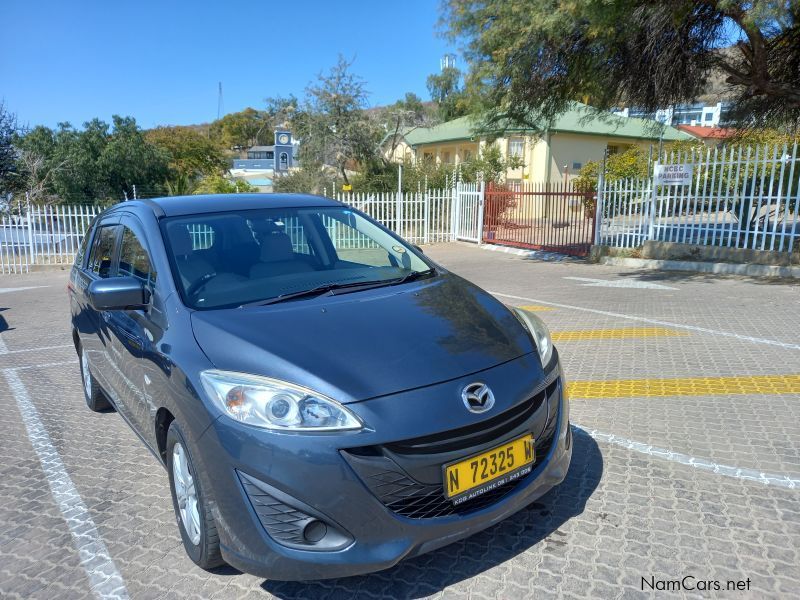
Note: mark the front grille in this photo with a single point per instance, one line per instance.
(409, 498)
(406, 496)
(476, 434)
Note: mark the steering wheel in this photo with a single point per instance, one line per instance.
(197, 285)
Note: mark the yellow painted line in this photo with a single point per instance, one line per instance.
(615, 334)
(691, 386)
(536, 307)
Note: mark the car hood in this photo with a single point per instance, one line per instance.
(361, 345)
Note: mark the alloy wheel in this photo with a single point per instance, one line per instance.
(87, 375)
(186, 493)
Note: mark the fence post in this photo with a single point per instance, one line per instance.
(398, 213)
(427, 226)
(31, 245)
(455, 210)
(481, 196)
(598, 209)
(651, 207)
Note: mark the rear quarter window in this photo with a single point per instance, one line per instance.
(102, 254)
(81, 255)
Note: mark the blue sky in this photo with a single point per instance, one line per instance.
(160, 62)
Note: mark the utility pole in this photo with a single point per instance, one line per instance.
(220, 104)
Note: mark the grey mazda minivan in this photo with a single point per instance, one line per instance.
(326, 399)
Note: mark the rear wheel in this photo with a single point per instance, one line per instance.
(95, 397)
(197, 526)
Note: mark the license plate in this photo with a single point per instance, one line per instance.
(478, 474)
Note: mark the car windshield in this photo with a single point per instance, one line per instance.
(229, 259)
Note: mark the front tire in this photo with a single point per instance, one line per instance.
(95, 397)
(197, 526)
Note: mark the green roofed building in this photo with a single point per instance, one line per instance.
(552, 153)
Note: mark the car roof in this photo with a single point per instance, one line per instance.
(174, 206)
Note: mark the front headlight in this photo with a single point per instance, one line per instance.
(539, 332)
(275, 404)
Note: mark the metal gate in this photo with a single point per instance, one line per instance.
(468, 213)
(540, 216)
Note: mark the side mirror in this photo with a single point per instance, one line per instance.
(118, 293)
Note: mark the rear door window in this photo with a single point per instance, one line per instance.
(102, 255)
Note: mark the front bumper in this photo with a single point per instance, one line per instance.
(262, 493)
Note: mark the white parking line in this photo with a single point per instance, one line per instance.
(620, 283)
(745, 338)
(46, 365)
(20, 289)
(698, 463)
(4, 349)
(104, 579)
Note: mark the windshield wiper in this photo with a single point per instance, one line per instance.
(330, 288)
(412, 276)
(315, 291)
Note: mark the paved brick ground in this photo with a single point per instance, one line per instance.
(630, 507)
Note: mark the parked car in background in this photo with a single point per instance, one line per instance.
(326, 399)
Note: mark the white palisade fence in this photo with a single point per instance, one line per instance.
(51, 235)
(738, 197)
(419, 217)
(42, 235)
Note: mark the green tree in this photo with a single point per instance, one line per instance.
(308, 180)
(82, 180)
(249, 127)
(129, 160)
(380, 176)
(180, 185)
(216, 184)
(333, 124)
(403, 116)
(530, 58)
(191, 153)
(631, 164)
(281, 110)
(489, 165)
(8, 154)
(447, 92)
(93, 164)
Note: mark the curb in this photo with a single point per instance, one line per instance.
(717, 268)
(537, 254)
(49, 268)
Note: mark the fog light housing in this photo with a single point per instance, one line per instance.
(314, 531)
(290, 522)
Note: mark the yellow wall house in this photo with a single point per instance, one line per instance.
(556, 154)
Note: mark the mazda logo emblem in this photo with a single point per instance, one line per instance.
(477, 397)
